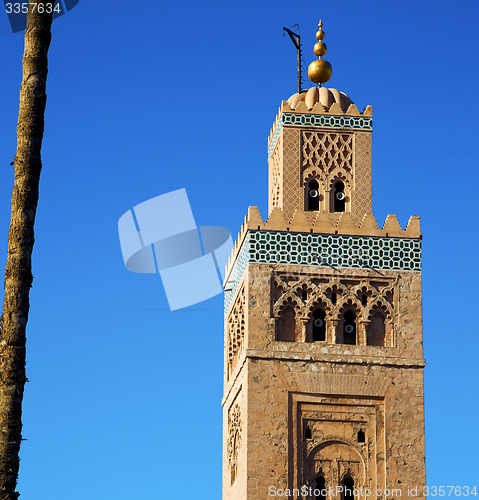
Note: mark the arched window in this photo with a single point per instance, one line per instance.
(313, 195)
(361, 437)
(319, 325)
(348, 488)
(349, 328)
(286, 330)
(338, 197)
(307, 433)
(320, 488)
(376, 331)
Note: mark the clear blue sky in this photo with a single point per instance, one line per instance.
(144, 98)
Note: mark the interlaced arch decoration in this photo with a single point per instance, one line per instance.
(235, 332)
(327, 150)
(335, 296)
(328, 157)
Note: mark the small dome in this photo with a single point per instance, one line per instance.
(327, 97)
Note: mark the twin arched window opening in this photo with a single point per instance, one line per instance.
(347, 484)
(337, 201)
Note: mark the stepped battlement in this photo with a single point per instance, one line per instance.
(323, 223)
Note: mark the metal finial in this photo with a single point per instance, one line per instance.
(320, 71)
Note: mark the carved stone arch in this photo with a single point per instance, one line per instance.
(379, 304)
(318, 319)
(349, 302)
(332, 439)
(287, 326)
(305, 282)
(289, 299)
(316, 301)
(314, 182)
(364, 288)
(349, 322)
(344, 454)
(337, 286)
(312, 173)
(338, 175)
(280, 283)
(339, 204)
(390, 290)
(379, 332)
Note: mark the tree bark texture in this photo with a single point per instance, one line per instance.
(18, 273)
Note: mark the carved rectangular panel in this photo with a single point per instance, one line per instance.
(336, 437)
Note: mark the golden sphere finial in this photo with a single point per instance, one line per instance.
(320, 71)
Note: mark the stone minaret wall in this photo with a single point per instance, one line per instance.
(297, 409)
(327, 146)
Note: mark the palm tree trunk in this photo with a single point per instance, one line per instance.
(18, 274)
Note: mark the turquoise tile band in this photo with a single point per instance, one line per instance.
(324, 250)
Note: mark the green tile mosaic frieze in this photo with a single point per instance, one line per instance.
(324, 250)
(328, 121)
(277, 247)
(320, 121)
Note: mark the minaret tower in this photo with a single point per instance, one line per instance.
(323, 385)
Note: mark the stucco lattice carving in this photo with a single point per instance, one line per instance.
(235, 332)
(328, 152)
(362, 201)
(234, 438)
(275, 164)
(292, 190)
